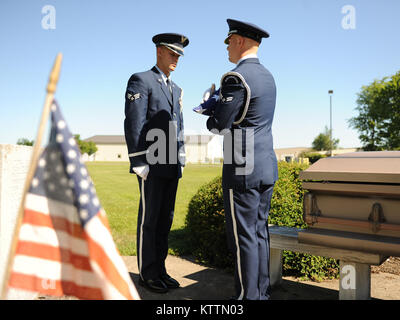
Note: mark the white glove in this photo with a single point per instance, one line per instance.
(182, 170)
(142, 171)
(207, 94)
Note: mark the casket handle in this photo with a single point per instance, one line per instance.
(310, 209)
(376, 217)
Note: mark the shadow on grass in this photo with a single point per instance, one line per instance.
(180, 245)
(177, 242)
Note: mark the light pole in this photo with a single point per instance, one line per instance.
(330, 111)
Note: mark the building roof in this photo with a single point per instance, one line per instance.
(292, 149)
(120, 139)
(103, 139)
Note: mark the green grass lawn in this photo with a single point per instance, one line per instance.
(118, 191)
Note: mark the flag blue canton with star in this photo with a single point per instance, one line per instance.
(61, 174)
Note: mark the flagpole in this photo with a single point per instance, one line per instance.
(51, 88)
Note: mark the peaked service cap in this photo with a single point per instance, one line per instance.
(173, 41)
(245, 29)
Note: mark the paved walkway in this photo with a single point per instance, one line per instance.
(202, 283)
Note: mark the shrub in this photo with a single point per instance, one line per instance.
(205, 225)
(312, 156)
(287, 199)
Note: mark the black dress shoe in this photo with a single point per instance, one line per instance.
(170, 282)
(156, 285)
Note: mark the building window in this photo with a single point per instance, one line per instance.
(289, 159)
(119, 156)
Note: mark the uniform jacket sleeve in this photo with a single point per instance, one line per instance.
(136, 100)
(233, 96)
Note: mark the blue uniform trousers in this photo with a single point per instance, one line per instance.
(156, 212)
(246, 215)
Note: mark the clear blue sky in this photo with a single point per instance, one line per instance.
(104, 42)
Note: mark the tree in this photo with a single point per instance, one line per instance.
(88, 147)
(25, 142)
(322, 141)
(378, 122)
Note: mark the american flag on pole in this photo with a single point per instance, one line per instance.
(64, 244)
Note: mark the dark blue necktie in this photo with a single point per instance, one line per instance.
(170, 88)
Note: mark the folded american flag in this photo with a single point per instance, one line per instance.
(207, 107)
(64, 244)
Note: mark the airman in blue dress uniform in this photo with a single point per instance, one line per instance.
(154, 136)
(243, 112)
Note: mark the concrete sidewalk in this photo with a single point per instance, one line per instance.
(203, 283)
(197, 282)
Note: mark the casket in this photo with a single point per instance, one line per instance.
(352, 201)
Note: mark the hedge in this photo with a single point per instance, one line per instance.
(312, 156)
(205, 226)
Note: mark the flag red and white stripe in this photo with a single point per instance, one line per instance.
(63, 248)
(56, 256)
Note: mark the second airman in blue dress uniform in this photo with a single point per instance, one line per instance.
(243, 111)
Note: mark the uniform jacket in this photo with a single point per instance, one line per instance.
(151, 113)
(244, 114)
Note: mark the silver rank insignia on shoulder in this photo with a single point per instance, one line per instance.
(227, 99)
(133, 97)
